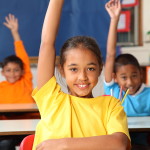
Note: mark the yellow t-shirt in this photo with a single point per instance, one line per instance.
(64, 115)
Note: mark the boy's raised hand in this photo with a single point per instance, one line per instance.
(114, 8)
(11, 23)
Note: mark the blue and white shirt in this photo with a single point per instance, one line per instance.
(134, 105)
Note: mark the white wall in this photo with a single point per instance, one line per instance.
(146, 17)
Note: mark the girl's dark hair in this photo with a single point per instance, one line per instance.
(125, 59)
(12, 59)
(80, 42)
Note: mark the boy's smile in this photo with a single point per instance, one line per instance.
(81, 71)
(129, 77)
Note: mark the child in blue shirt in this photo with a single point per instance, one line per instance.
(124, 73)
(127, 75)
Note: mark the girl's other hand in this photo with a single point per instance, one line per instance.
(114, 8)
(52, 144)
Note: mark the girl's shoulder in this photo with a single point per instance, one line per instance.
(48, 87)
(108, 100)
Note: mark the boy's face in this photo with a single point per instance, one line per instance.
(12, 72)
(81, 71)
(129, 77)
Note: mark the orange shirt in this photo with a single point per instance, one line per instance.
(20, 91)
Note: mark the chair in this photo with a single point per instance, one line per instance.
(27, 143)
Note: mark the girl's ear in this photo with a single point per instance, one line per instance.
(61, 70)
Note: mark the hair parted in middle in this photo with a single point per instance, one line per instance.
(80, 42)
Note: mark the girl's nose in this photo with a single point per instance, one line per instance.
(83, 76)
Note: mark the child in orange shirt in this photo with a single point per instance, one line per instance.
(16, 69)
(18, 85)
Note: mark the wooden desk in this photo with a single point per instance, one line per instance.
(19, 111)
(18, 127)
(4, 108)
(139, 124)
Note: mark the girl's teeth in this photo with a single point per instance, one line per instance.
(82, 85)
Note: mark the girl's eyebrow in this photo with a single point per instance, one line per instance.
(87, 64)
(92, 63)
(72, 65)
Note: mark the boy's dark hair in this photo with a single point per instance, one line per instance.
(80, 42)
(12, 59)
(125, 59)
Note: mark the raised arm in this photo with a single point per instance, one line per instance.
(11, 22)
(46, 62)
(113, 7)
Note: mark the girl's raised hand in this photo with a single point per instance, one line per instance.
(11, 22)
(114, 8)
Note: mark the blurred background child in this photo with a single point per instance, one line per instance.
(16, 69)
(18, 85)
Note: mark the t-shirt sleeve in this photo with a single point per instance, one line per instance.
(117, 119)
(46, 95)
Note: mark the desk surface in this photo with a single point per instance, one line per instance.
(28, 126)
(4, 108)
(18, 127)
(139, 124)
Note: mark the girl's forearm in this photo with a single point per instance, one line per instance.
(117, 141)
(51, 21)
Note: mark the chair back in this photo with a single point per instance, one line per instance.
(27, 143)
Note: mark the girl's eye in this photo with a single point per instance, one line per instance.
(91, 69)
(73, 69)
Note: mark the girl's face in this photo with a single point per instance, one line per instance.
(129, 77)
(12, 72)
(81, 71)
